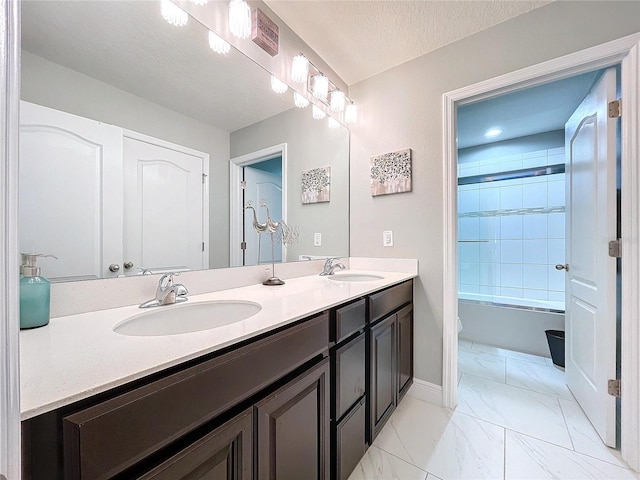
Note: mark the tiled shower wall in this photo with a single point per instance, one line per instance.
(511, 233)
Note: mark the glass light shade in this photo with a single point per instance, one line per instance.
(239, 18)
(300, 101)
(173, 14)
(351, 113)
(318, 113)
(337, 101)
(299, 68)
(333, 123)
(277, 85)
(217, 44)
(320, 86)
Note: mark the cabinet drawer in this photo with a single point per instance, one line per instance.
(349, 375)
(107, 438)
(351, 443)
(383, 303)
(350, 319)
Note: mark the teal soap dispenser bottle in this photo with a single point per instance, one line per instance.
(35, 293)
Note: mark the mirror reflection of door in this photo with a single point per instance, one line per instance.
(166, 206)
(263, 182)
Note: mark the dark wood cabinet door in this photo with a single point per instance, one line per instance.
(405, 349)
(223, 454)
(351, 443)
(349, 375)
(383, 372)
(293, 429)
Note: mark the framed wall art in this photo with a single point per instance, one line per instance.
(391, 173)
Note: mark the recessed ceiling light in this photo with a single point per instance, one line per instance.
(493, 132)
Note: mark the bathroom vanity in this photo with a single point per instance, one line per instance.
(299, 391)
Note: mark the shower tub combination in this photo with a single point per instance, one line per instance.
(511, 323)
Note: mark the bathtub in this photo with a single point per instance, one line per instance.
(511, 323)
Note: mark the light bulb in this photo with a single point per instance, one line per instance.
(337, 101)
(173, 13)
(239, 18)
(351, 113)
(320, 86)
(300, 101)
(277, 85)
(217, 44)
(333, 123)
(318, 113)
(299, 68)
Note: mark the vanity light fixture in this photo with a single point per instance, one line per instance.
(337, 100)
(333, 123)
(351, 113)
(300, 101)
(173, 14)
(299, 68)
(318, 113)
(239, 18)
(217, 44)
(278, 85)
(320, 86)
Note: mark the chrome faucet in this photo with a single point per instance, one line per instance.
(330, 267)
(167, 292)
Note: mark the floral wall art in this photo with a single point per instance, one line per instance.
(391, 173)
(316, 185)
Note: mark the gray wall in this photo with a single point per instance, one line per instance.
(55, 86)
(310, 144)
(402, 108)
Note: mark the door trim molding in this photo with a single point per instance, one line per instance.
(9, 315)
(235, 195)
(623, 50)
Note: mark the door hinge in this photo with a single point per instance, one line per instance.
(613, 387)
(203, 246)
(614, 109)
(243, 184)
(243, 245)
(204, 178)
(615, 248)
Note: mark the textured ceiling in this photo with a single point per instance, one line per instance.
(359, 39)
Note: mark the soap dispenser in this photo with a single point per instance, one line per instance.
(35, 293)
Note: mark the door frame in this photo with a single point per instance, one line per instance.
(625, 51)
(9, 323)
(235, 196)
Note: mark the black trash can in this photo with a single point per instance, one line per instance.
(555, 339)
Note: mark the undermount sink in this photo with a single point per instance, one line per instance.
(188, 318)
(354, 277)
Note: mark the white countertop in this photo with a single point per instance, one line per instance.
(77, 356)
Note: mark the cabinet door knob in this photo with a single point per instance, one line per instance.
(562, 267)
(114, 267)
(128, 265)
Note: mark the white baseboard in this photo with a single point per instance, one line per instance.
(427, 391)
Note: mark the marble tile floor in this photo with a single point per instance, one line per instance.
(515, 419)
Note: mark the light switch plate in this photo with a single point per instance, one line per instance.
(317, 239)
(387, 238)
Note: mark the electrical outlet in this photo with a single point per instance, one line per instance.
(387, 238)
(317, 239)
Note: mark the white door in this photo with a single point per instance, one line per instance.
(261, 185)
(166, 207)
(70, 193)
(590, 146)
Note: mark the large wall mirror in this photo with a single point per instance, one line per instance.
(131, 129)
